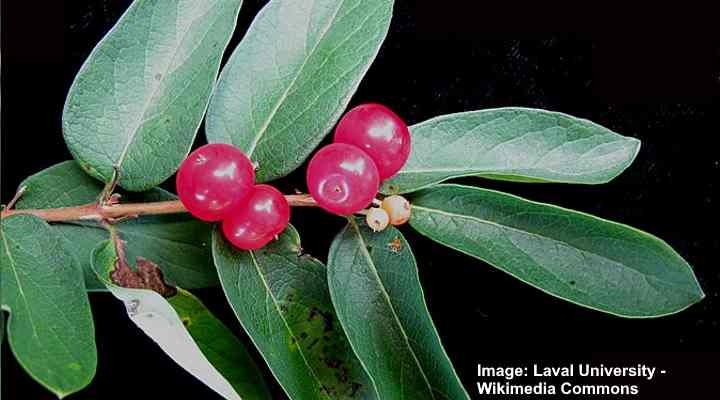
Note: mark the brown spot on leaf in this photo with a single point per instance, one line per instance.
(314, 313)
(328, 391)
(332, 363)
(328, 320)
(395, 245)
(312, 344)
(146, 276)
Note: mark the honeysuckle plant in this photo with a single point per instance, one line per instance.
(357, 327)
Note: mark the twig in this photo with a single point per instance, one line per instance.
(119, 212)
(15, 198)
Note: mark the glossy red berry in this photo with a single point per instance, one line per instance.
(213, 180)
(342, 178)
(264, 215)
(379, 132)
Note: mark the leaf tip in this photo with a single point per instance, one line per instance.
(700, 295)
(637, 143)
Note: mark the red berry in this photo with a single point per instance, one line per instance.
(258, 220)
(213, 180)
(379, 132)
(342, 178)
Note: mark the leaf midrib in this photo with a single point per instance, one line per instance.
(295, 340)
(19, 285)
(386, 296)
(146, 105)
(286, 93)
(539, 236)
(29, 315)
(484, 171)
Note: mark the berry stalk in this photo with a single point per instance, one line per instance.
(95, 212)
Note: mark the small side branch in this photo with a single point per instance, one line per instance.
(17, 197)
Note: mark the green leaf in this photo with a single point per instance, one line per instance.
(2, 331)
(583, 259)
(513, 144)
(138, 100)
(163, 323)
(282, 301)
(179, 242)
(292, 76)
(50, 329)
(376, 291)
(220, 346)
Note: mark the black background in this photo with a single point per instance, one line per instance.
(644, 72)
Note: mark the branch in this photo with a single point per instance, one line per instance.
(114, 212)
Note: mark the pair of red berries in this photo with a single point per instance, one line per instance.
(217, 183)
(371, 144)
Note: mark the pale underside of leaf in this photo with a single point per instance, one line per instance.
(158, 319)
(224, 351)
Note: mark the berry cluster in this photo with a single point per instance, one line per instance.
(371, 144)
(217, 183)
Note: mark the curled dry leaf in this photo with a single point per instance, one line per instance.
(146, 276)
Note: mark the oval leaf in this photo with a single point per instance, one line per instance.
(155, 316)
(376, 291)
(292, 76)
(179, 242)
(138, 100)
(282, 301)
(580, 258)
(513, 144)
(50, 329)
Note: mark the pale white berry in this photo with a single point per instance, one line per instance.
(377, 219)
(398, 208)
